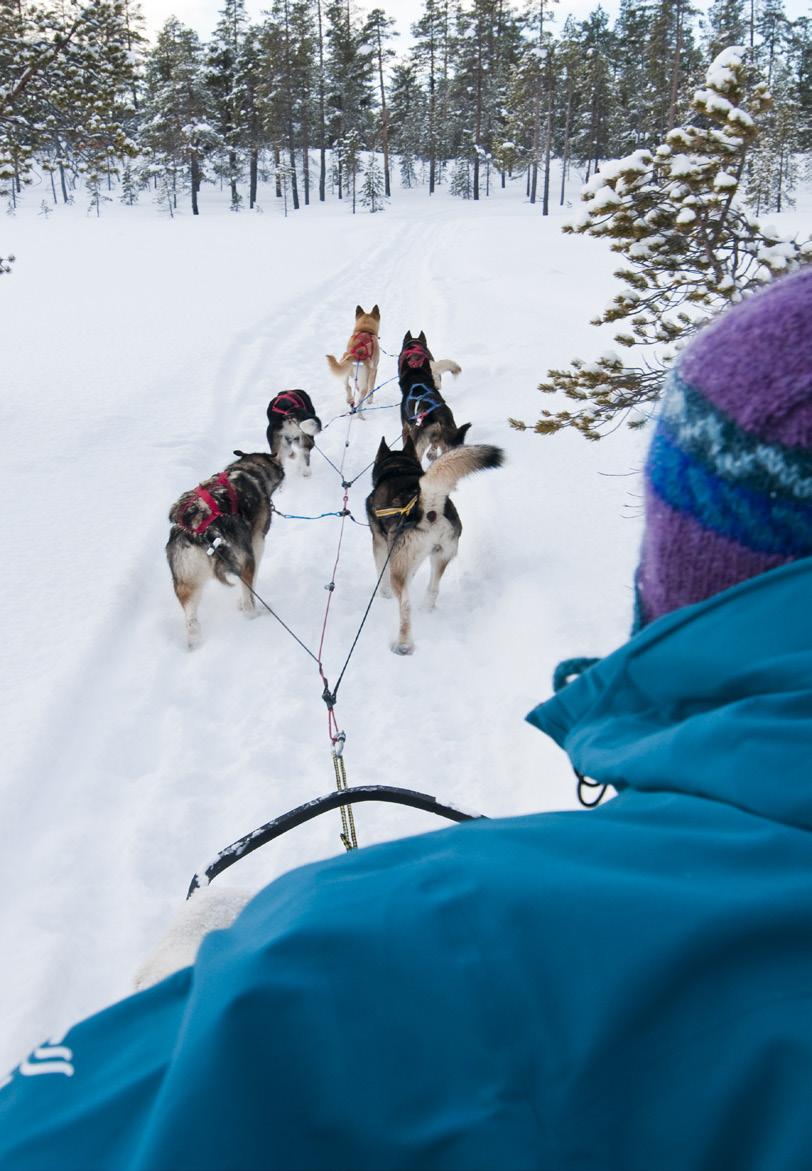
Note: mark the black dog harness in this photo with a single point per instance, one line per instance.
(286, 403)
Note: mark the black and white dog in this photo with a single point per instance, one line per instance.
(232, 512)
(424, 413)
(292, 425)
(412, 518)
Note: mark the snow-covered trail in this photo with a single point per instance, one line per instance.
(132, 761)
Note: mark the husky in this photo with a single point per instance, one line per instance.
(219, 528)
(359, 365)
(412, 518)
(424, 413)
(292, 427)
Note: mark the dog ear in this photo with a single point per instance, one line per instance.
(239, 454)
(407, 339)
(383, 450)
(422, 338)
(409, 448)
(359, 311)
(462, 431)
(376, 313)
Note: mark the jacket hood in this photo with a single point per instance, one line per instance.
(713, 700)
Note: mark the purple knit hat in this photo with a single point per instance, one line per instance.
(729, 474)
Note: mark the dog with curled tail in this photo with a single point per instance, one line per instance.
(412, 517)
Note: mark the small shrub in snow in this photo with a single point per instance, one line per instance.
(689, 242)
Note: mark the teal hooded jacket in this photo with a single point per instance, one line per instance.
(623, 989)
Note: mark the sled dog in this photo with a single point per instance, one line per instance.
(359, 365)
(424, 413)
(233, 510)
(292, 426)
(412, 518)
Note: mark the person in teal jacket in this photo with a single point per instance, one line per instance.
(625, 989)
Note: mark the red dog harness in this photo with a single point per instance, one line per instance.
(362, 346)
(205, 497)
(288, 401)
(413, 356)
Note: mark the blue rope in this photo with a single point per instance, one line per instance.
(295, 516)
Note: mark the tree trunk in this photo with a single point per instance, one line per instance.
(195, 179)
(277, 158)
(432, 120)
(306, 155)
(232, 178)
(294, 186)
(253, 172)
(322, 119)
(565, 161)
(548, 133)
(478, 111)
(676, 65)
(384, 118)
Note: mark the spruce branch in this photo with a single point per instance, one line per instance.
(690, 246)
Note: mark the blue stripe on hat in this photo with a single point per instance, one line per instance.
(711, 437)
(757, 520)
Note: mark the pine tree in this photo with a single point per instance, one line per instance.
(67, 80)
(689, 245)
(461, 184)
(726, 25)
(178, 133)
(349, 98)
(379, 29)
(372, 189)
(406, 114)
(228, 86)
(430, 52)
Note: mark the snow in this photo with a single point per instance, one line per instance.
(721, 72)
(603, 200)
(142, 351)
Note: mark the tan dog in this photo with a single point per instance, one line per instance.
(359, 364)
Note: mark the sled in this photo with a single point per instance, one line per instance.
(302, 813)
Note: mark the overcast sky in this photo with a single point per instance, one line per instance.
(202, 14)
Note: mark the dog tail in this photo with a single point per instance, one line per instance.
(223, 562)
(339, 368)
(446, 366)
(448, 469)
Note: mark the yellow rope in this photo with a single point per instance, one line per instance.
(397, 511)
(348, 836)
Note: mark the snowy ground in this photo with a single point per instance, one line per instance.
(138, 352)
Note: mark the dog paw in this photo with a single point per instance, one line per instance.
(429, 603)
(385, 591)
(306, 471)
(402, 648)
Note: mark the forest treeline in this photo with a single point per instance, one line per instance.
(316, 99)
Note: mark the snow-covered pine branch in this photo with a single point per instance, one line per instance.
(689, 243)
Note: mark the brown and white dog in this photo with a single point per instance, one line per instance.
(359, 365)
(424, 413)
(412, 518)
(219, 528)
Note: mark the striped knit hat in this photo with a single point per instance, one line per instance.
(729, 473)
